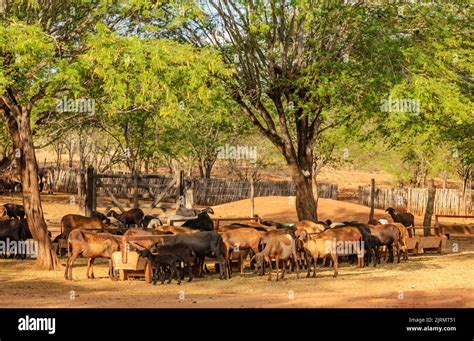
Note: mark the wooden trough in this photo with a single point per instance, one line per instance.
(132, 265)
(422, 244)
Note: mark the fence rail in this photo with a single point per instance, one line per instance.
(447, 201)
(207, 192)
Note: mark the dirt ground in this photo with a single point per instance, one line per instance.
(428, 280)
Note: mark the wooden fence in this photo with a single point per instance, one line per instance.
(207, 192)
(447, 201)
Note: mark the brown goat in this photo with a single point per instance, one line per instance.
(309, 226)
(389, 235)
(75, 221)
(240, 239)
(403, 241)
(281, 247)
(328, 243)
(175, 229)
(405, 218)
(91, 245)
(131, 217)
(145, 243)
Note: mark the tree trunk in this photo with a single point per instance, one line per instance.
(305, 203)
(429, 209)
(20, 130)
(201, 169)
(208, 167)
(314, 189)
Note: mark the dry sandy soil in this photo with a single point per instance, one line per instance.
(429, 280)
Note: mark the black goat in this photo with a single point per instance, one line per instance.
(15, 211)
(184, 253)
(203, 222)
(160, 262)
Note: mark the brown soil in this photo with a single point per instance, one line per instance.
(429, 280)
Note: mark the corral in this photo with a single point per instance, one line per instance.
(425, 280)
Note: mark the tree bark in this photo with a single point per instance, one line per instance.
(429, 209)
(314, 189)
(305, 203)
(20, 131)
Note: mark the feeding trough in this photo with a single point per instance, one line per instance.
(131, 264)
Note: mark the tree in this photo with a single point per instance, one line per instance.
(439, 78)
(40, 41)
(302, 68)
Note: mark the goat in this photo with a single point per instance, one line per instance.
(154, 223)
(203, 222)
(145, 222)
(187, 212)
(407, 219)
(159, 262)
(175, 229)
(91, 245)
(310, 227)
(280, 247)
(203, 243)
(388, 235)
(14, 230)
(145, 243)
(184, 253)
(101, 216)
(15, 211)
(240, 239)
(71, 222)
(130, 217)
(328, 242)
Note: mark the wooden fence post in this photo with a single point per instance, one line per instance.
(189, 198)
(429, 208)
(252, 198)
(180, 183)
(90, 191)
(372, 199)
(135, 190)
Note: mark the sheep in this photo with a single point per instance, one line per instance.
(130, 217)
(407, 219)
(91, 245)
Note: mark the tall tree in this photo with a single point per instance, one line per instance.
(40, 41)
(302, 68)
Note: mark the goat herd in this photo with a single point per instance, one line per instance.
(179, 250)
